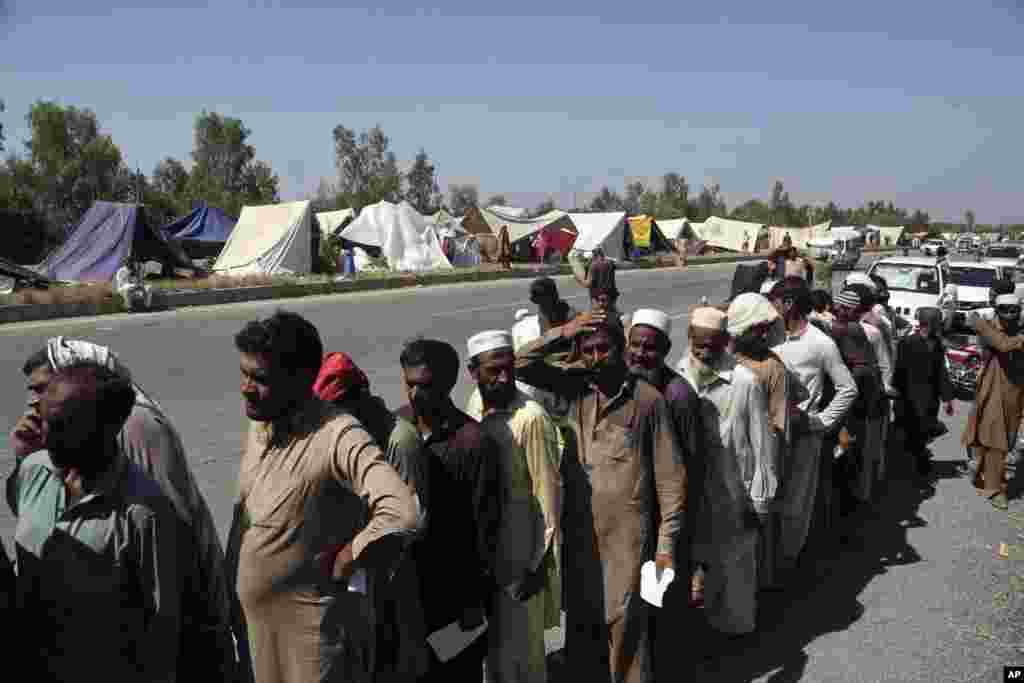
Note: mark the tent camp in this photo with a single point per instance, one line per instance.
(488, 220)
(202, 233)
(799, 236)
(733, 235)
(676, 228)
(270, 239)
(461, 248)
(406, 239)
(108, 234)
(647, 234)
(600, 230)
(331, 222)
(890, 235)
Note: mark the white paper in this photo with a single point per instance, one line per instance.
(651, 589)
(451, 640)
(357, 584)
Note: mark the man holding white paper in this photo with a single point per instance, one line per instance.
(625, 494)
(527, 599)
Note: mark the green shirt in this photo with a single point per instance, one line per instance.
(98, 580)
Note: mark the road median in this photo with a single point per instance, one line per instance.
(169, 299)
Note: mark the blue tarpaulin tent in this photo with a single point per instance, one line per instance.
(108, 234)
(203, 232)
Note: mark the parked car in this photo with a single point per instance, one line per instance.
(931, 247)
(916, 282)
(973, 280)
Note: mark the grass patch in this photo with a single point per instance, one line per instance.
(94, 293)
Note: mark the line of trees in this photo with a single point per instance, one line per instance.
(68, 163)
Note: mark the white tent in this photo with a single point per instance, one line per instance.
(798, 236)
(507, 211)
(406, 239)
(888, 236)
(674, 228)
(519, 226)
(732, 235)
(271, 239)
(332, 221)
(604, 230)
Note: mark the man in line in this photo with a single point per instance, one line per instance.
(999, 402)
(754, 325)
(527, 599)
(625, 495)
(400, 647)
(317, 502)
(741, 481)
(97, 540)
(647, 346)
(855, 467)
(922, 380)
(150, 440)
(464, 499)
(813, 358)
(552, 311)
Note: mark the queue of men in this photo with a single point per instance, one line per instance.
(433, 543)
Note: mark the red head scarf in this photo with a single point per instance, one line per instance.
(339, 377)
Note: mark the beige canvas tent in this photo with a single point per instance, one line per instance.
(798, 236)
(888, 236)
(271, 239)
(604, 230)
(675, 228)
(331, 222)
(733, 235)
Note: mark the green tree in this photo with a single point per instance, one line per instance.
(462, 197)
(710, 203)
(326, 197)
(782, 210)
(920, 218)
(367, 170)
(422, 190)
(497, 200)
(969, 220)
(544, 207)
(607, 200)
(673, 200)
(649, 203)
(634, 191)
(2, 138)
(754, 211)
(73, 163)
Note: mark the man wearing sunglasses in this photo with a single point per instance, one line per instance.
(999, 402)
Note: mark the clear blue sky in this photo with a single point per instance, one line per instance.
(915, 101)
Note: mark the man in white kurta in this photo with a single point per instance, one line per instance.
(741, 478)
(811, 356)
(526, 601)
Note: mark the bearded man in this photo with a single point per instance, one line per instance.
(624, 500)
(741, 480)
(754, 325)
(526, 601)
(814, 359)
(999, 402)
(97, 541)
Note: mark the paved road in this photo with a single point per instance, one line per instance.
(919, 597)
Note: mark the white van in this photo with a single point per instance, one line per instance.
(917, 282)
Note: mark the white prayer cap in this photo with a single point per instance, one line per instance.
(747, 310)
(767, 285)
(1007, 300)
(708, 318)
(651, 317)
(489, 340)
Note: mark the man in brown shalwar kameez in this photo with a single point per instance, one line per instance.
(624, 499)
(999, 403)
(317, 504)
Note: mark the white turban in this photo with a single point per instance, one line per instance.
(63, 352)
(488, 340)
(1007, 300)
(747, 310)
(651, 317)
(708, 318)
